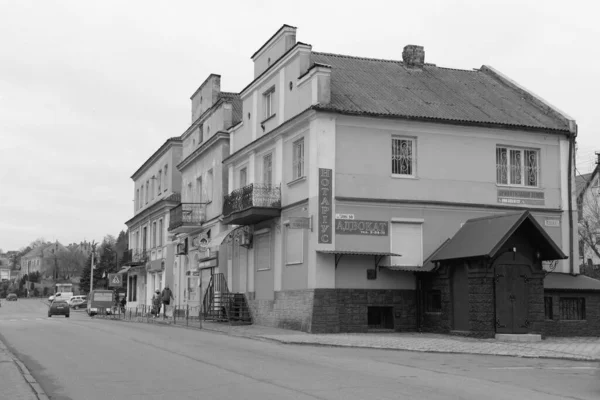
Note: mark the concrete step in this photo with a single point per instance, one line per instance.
(505, 337)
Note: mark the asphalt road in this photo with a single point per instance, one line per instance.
(81, 358)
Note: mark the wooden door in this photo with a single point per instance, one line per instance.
(460, 297)
(512, 306)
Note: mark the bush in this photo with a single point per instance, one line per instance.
(36, 292)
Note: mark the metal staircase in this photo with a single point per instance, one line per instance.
(221, 305)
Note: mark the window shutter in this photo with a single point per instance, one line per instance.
(407, 241)
(294, 246)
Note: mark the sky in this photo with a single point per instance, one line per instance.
(90, 89)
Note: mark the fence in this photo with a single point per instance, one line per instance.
(180, 315)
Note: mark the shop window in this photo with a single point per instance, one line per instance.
(572, 308)
(548, 307)
(433, 301)
(380, 318)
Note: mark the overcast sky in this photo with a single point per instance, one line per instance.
(90, 89)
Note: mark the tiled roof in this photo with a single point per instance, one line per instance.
(560, 281)
(388, 88)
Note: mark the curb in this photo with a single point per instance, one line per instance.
(33, 384)
(354, 346)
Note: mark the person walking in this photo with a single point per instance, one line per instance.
(166, 295)
(156, 300)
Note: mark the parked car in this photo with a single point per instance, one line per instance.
(59, 307)
(100, 302)
(78, 302)
(11, 297)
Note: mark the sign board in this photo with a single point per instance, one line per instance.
(115, 280)
(344, 216)
(525, 197)
(361, 227)
(325, 212)
(299, 223)
(209, 263)
(552, 222)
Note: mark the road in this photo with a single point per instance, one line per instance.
(81, 358)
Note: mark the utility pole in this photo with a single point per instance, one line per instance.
(92, 267)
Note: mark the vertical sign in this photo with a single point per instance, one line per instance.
(325, 210)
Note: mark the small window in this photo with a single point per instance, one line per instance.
(209, 185)
(298, 159)
(268, 169)
(572, 308)
(548, 307)
(147, 191)
(159, 181)
(268, 101)
(243, 177)
(403, 156)
(517, 167)
(166, 177)
(433, 301)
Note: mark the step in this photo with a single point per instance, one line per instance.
(506, 337)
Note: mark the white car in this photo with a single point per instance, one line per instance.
(62, 296)
(77, 301)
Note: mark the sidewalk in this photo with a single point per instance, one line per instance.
(579, 348)
(15, 381)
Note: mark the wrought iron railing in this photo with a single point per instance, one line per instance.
(135, 256)
(253, 195)
(187, 214)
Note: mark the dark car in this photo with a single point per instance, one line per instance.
(11, 297)
(59, 307)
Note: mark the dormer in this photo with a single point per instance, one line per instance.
(206, 95)
(283, 40)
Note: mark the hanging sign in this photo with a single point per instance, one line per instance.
(325, 212)
(299, 223)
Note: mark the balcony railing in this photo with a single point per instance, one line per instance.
(187, 214)
(260, 195)
(135, 256)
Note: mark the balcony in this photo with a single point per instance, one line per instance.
(134, 257)
(187, 217)
(252, 204)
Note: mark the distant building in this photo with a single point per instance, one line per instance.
(43, 259)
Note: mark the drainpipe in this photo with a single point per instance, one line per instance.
(571, 137)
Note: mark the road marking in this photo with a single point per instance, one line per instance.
(557, 368)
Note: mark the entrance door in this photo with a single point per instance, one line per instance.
(205, 275)
(460, 295)
(512, 306)
(193, 296)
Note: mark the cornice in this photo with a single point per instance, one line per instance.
(172, 142)
(158, 207)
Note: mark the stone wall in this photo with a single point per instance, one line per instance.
(588, 327)
(438, 322)
(332, 310)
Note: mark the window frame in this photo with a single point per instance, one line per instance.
(245, 183)
(413, 155)
(297, 162)
(160, 233)
(429, 301)
(268, 103)
(166, 178)
(548, 307)
(579, 309)
(263, 233)
(523, 167)
(210, 184)
(159, 190)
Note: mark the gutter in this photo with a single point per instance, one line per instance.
(572, 137)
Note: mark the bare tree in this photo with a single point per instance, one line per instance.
(589, 222)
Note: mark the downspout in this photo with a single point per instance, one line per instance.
(572, 136)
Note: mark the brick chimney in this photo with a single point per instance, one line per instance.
(413, 56)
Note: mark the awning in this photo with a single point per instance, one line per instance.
(485, 237)
(340, 253)
(219, 238)
(124, 270)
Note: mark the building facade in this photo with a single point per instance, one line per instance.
(195, 222)
(43, 259)
(149, 260)
(347, 174)
(588, 206)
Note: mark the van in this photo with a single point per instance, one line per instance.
(100, 302)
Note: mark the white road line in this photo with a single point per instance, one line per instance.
(554, 368)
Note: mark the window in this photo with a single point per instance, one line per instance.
(298, 159)
(153, 234)
(268, 100)
(166, 181)
(268, 169)
(517, 167)
(209, 185)
(403, 159)
(407, 240)
(147, 191)
(262, 248)
(243, 177)
(199, 189)
(433, 301)
(132, 288)
(548, 307)
(142, 198)
(572, 308)
(153, 179)
(160, 232)
(137, 198)
(159, 181)
(200, 134)
(294, 246)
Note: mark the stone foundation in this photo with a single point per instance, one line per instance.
(333, 310)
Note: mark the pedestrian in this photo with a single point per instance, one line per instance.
(167, 295)
(156, 299)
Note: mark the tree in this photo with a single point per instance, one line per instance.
(38, 242)
(84, 282)
(588, 204)
(122, 245)
(70, 262)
